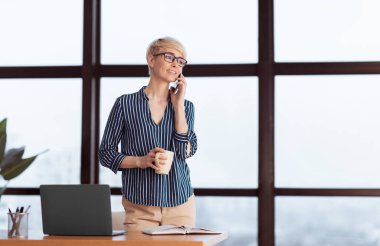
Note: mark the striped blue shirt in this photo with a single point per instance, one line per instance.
(131, 123)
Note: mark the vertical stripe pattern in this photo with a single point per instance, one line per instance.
(130, 123)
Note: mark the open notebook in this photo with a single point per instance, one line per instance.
(172, 229)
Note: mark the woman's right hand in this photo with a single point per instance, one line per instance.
(149, 159)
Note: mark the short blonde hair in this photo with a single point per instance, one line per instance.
(165, 42)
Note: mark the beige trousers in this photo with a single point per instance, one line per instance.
(139, 217)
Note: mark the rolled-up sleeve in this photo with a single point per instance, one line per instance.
(181, 140)
(109, 156)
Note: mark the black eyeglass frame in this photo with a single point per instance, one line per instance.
(175, 58)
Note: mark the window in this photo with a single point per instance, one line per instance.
(41, 32)
(324, 221)
(323, 30)
(44, 114)
(279, 129)
(327, 131)
(211, 31)
(226, 113)
(12, 202)
(226, 214)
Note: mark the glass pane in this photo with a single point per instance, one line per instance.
(44, 114)
(347, 221)
(324, 30)
(12, 202)
(116, 204)
(209, 30)
(41, 32)
(226, 114)
(327, 131)
(236, 216)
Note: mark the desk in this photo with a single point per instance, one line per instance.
(37, 238)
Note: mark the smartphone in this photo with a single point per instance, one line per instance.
(174, 85)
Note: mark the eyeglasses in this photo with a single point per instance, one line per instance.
(170, 57)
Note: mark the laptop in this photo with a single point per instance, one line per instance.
(77, 210)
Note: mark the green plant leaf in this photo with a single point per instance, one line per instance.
(3, 140)
(11, 157)
(3, 137)
(16, 168)
(3, 125)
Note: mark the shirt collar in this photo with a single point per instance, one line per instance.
(142, 93)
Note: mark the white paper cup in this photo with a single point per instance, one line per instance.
(164, 169)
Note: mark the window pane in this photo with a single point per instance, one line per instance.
(44, 114)
(347, 221)
(324, 30)
(215, 31)
(41, 32)
(226, 113)
(12, 202)
(236, 216)
(327, 131)
(116, 204)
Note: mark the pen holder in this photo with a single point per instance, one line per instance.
(18, 224)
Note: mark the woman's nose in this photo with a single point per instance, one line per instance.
(175, 63)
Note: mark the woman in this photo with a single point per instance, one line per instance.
(147, 122)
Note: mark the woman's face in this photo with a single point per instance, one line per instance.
(164, 70)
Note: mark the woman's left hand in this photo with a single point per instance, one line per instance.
(179, 98)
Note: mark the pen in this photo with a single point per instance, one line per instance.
(14, 221)
(18, 220)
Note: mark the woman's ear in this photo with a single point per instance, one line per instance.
(150, 61)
